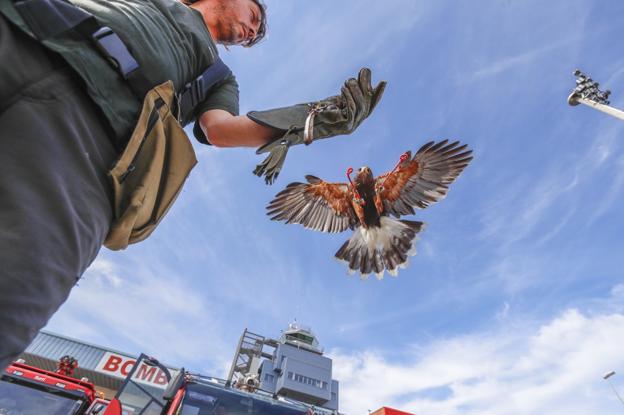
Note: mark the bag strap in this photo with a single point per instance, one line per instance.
(196, 91)
(50, 18)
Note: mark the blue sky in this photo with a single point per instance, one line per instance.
(515, 301)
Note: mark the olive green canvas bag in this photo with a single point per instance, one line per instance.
(151, 171)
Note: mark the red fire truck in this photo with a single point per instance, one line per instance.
(189, 394)
(26, 390)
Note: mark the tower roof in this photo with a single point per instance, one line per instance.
(301, 336)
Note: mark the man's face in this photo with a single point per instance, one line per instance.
(238, 21)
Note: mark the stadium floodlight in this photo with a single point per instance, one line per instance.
(606, 377)
(587, 92)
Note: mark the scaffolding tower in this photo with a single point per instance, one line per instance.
(250, 346)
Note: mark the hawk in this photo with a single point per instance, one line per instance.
(366, 204)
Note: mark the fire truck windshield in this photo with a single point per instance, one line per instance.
(17, 399)
(202, 399)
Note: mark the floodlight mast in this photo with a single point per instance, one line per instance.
(587, 92)
(606, 377)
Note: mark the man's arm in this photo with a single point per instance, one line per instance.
(226, 130)
(274, 131)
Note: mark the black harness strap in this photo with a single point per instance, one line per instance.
(50, 18)
(196, 91)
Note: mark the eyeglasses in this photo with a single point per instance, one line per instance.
(261, 29)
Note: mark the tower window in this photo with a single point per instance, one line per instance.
(307, 380)
(300, 337)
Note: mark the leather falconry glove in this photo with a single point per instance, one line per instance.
(304, 123)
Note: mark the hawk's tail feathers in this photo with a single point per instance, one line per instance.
(381, 248)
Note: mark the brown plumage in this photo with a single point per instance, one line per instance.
(379, 242)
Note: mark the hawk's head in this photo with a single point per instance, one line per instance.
(364, 175)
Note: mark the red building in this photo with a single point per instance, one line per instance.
(389, 411)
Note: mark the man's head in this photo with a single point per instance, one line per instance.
(233, 22)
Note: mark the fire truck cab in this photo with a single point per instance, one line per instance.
(27, 390)
(190, 394)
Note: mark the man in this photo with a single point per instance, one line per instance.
(66, 112)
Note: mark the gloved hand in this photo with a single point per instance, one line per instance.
(304, 123)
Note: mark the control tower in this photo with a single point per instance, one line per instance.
(292, 367)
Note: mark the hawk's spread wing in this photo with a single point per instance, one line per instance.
(317, 205)
(424, 179)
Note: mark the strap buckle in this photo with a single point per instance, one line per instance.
(109, 43)
(190, 96)
(195, 92)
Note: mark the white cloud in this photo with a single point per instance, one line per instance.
(511, 62)
(618, 291)
(314, 45)
(612, 192)
(552, 368)
(144, 307)
(504, 312)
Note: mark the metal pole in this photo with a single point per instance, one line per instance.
(606, 377)
(575, 100)
(615, 391)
